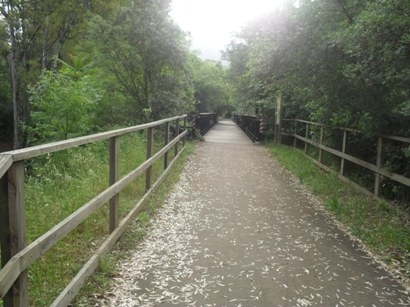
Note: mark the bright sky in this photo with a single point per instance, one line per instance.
(212, 23)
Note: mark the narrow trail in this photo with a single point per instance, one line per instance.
(238, 230)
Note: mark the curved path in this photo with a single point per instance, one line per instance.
(238, 230)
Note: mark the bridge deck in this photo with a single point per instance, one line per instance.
(238, 230)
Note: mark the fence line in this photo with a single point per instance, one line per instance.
(16, 257)
(303, 131)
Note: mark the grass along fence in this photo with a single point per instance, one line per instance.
(308, 135)
(17, 257)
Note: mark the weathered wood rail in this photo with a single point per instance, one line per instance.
(17, 257)
(312, 134)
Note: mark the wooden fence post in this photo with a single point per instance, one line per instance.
(342, 162)
(185, 128)
(114, 176)
(150, 143)
(296, 131)
(13, 229)
(378, 164)
(177, 129)
(166, 141)
(278, 120)
(307, 137)
(321, 143)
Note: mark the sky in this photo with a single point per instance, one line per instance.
(212, 23)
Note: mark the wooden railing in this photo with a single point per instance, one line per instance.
(312, 134)
(17, 257)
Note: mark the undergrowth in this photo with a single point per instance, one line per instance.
(383, 227)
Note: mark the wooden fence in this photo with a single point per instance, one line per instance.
(17, 257)
(312, 134)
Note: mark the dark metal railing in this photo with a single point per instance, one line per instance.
(202, 122)
(253, 126)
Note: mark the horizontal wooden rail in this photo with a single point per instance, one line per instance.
(20, 260)
(69, 292)
(28, 153)
(6, 160)
(382, 171)
(377, 168)
(388, 137)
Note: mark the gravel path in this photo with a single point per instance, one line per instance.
(238, 230)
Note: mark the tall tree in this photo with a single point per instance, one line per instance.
(209, 80)
(36, 33)
(146, 52)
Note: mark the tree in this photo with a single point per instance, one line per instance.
(381, 74)
(62, 106)
(36, 32)
(146, 52)
(211, 90)
(338, 62)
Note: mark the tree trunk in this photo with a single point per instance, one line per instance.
(15, 83)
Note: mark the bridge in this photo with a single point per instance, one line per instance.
(237, 230)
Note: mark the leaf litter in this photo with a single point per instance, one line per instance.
(241, 248)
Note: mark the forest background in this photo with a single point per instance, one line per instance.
(73, 67)
(70, 68)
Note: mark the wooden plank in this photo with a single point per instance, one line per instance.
(342, 163)
(27, 153)
(18, 293)
(166, 141)
(150, 143)
(12, 271)
(321, 143)
(37, 248)
(114, 176)
(397, 138)
(185, 128)
(307, 137)
(378, 165)
(68, 294)
(389, 137)
(5, 162)
(307, 122)
(177, 130)
(5, 235)
(382, 171)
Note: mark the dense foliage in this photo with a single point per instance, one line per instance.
(74, 67)
(340, 62)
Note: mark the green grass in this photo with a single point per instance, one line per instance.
(60, 183)
(101, 280)
(383, 227)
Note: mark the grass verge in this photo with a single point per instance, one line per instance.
(382, 227)
(102, 279)
(58, 184)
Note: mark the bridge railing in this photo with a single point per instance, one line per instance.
(252, 125)
(17, 257)
(203, 121)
